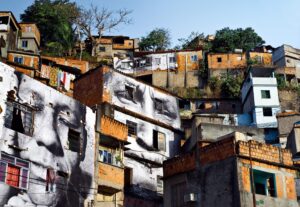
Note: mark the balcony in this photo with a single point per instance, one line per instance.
(110, 178)
(123, 46)
(114, 129)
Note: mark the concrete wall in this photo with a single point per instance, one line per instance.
(190, 79)
(289, 100)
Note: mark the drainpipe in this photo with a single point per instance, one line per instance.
(167, 71)
(252, 177)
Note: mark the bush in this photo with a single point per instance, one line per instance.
(213, 83)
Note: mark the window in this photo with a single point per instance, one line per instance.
(264, 183)
(24, 43)
(157, 61)
(219, 59)
(50, 180)
(194, 58)
(267, 111)
(27, 29)
(125, 65)
(159, 140)
(129, 92)
(74, 141)
(158, 105)
(14, 171)
(109, 158)
(172, 59)
(239, 58)
(132, 128)
(101, 49)
(265, 94)
(148, 60)
(19, 117)
(18, 60)
(159, 185)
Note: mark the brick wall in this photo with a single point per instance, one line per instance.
(184, 163)
(114, 128)
(88, 88)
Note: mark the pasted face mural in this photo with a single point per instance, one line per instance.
(142, 99)
(47, 145)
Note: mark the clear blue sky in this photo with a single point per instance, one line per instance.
(276, 21)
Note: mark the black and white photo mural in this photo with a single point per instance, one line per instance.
(150, 141)
(46, 145)
(141, 98)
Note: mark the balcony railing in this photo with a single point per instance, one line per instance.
(111, 177)
(114, 128)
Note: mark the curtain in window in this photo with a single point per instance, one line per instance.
(13, 174)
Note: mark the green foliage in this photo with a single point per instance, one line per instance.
(214, 83)
(157, 39)
(54, 19)
(231, 86)
(226, 39)
(53, 49)
(194, 41)
(203, 71)
(281, 84)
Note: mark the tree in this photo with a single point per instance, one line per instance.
(226, 40)
(192, 41)
(100, 20)
(157, 39)
(54, 19)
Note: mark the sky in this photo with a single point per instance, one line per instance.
(276, 21)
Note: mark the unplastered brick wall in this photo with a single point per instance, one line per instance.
(219, 150)
(265, 152)
(181, 164)
(285, 183)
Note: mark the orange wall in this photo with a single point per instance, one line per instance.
(80, 64)
(289, 183)
(34, 30)
(28, 60)
(266, 57)
(114, 128)
(229, 60)
(111, 174)
(184, 60)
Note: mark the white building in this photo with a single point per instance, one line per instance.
(260, 100)
(153, 120)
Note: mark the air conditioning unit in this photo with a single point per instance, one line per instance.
(191, 197)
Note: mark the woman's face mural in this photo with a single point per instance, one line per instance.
(143, 99)
(56, 145)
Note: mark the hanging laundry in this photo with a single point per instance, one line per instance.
(67, 82)
(53, 77)
(45, 71)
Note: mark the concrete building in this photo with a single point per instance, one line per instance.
(110, 46)
(9, 32)
(30, 39)
(236, 63)
(152, 117)
(47, 145)
(260, 101)
(286, 56)
(286, 122)
(231, 172)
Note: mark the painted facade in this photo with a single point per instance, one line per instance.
(260, 97)
(182, 60)
(47, 145)
(30, 38)
(9, 31)
(153, 121)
